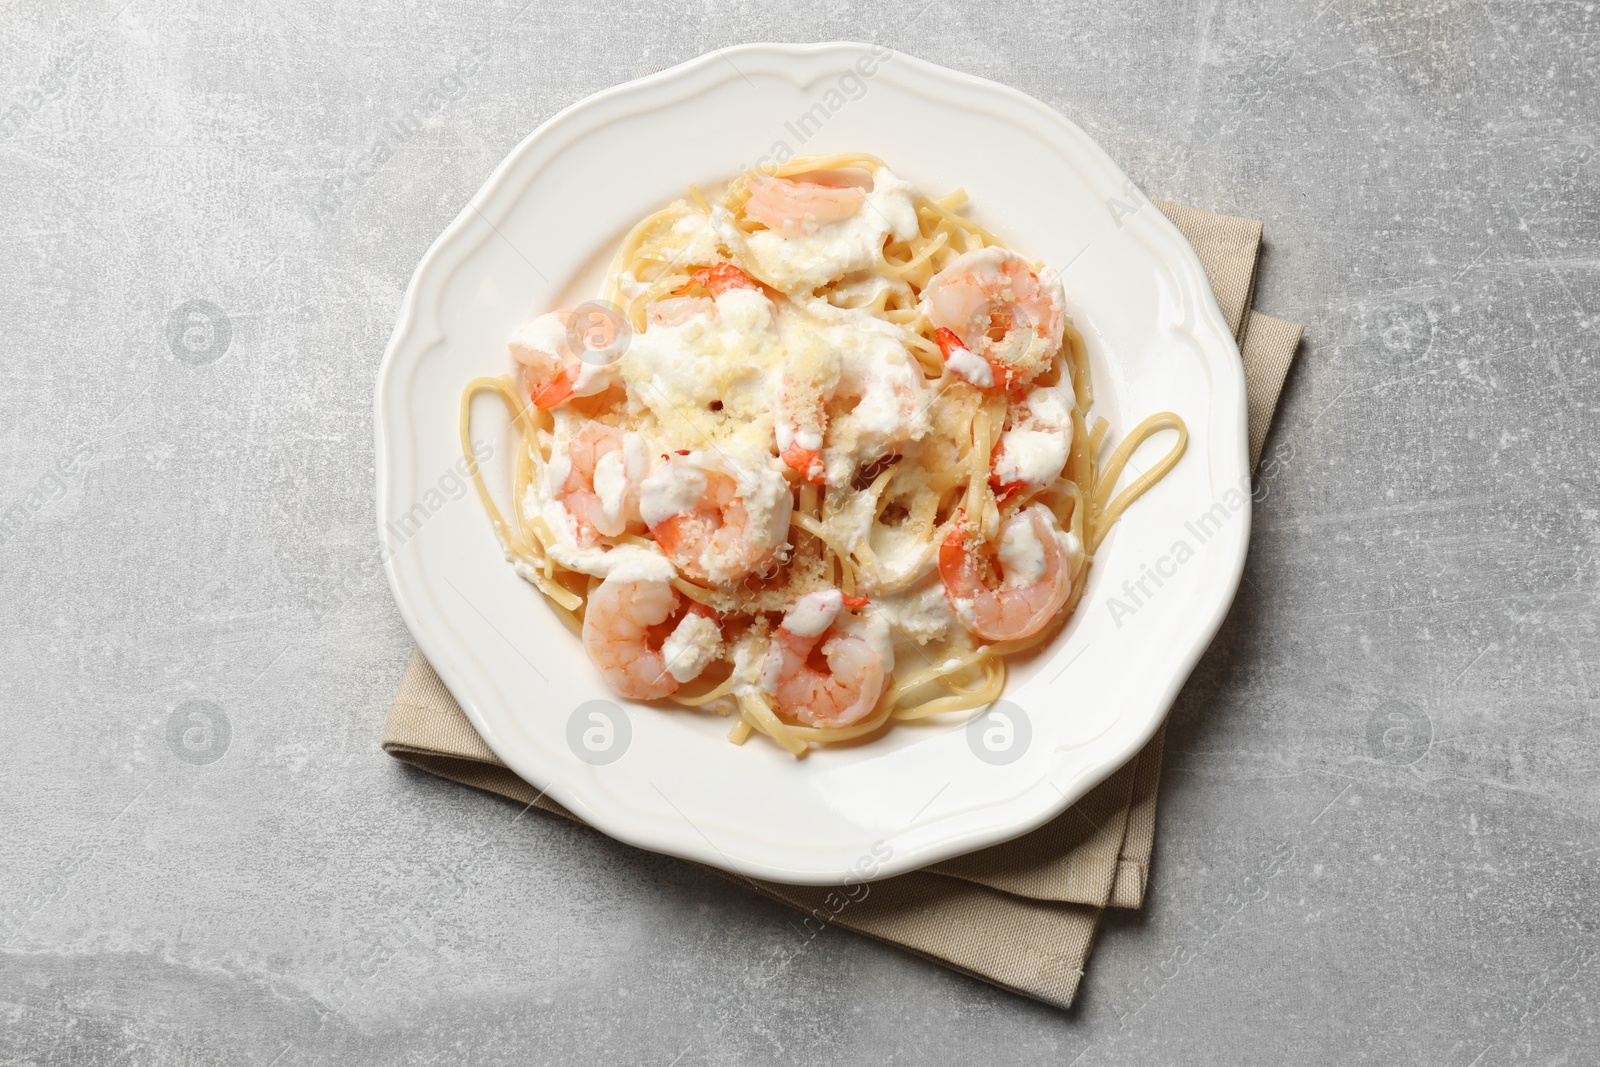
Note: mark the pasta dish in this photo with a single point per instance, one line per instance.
(820, 458)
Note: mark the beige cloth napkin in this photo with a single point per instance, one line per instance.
(1022, 914)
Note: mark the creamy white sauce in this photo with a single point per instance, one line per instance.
(630, 286)
(633, 563)
(814, 613)
(1072, 548)
(966, 365)
(798, 263)
(921, 613)
(556, 472)
(1033, 457)
(750, 658)
(638, 461)
(714, 374)
(708, 376)
(611, 485)
(546, 334)
(872, 628)
(766, 496)
(671, 489)
(862, 290)
(770, 670)
(851, 524)
(1049, 407)
(1021, 555)
(593, 378)
(692, 645)
(693, 241)
(865, 358)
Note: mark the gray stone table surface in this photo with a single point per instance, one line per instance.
(1401, 705)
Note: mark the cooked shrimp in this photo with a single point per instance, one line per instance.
(551, 371)
(1027, 459)
(719, 278)
(677, 310)
(801, 422)
(625, 633)
(799, 207)
(600, 490)
(799, 428)
(838, 683)
(716, 524)
(990, 304)
(1035, 444)
(1036, 568)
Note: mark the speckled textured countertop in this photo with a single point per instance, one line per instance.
(1401, 701)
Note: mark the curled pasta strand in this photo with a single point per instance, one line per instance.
(1107, 509)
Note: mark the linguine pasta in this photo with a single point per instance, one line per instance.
(820, 459)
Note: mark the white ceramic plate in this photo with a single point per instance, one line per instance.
(537, 236)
